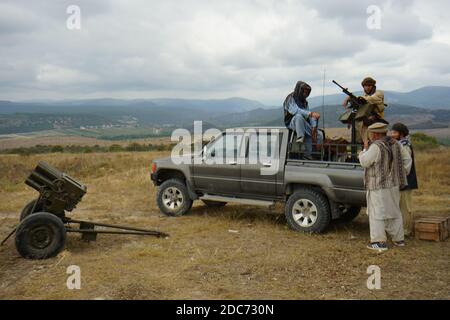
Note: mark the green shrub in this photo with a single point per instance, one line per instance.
(115, 148)
(57, 149)
(421, 141)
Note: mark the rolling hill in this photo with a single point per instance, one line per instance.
(414, 117)
(418, 108)
(426, 97)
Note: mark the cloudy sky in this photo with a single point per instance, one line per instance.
(255, 49)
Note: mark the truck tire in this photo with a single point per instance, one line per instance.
(210, 203)
(308, 210)
(348, 213)
(26, 211)
(173, 198)
(41, 235)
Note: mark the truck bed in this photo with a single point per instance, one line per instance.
(341, 181)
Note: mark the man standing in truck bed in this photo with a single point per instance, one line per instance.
(375, 100)
(299, 118)
(386, 165)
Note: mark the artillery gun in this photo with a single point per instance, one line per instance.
(43, 224)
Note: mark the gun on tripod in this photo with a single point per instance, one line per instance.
(355, 104)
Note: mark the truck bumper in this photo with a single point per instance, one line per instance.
(154, 178)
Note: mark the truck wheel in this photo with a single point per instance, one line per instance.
(210, 203)
(308, 211)
(348, 213)
(26, 211)
(40, 235)
(173, 198)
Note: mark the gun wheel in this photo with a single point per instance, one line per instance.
(28, 209)
(41, 235)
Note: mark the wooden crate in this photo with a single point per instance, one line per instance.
(432, 228)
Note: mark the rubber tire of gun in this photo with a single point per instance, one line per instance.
(42, 220)
(26, 211)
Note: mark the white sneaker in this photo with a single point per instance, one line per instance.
(377, 246)
(300, 140)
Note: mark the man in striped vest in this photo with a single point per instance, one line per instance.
(386, 165)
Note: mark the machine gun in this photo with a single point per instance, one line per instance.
(356, 104)
(43, 224)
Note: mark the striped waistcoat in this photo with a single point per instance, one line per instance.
(388, 172)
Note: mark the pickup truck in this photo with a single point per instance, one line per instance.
(314, 191)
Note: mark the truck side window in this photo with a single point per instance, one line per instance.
(261, 147)
(226, 146)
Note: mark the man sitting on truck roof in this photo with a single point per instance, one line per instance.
(299, 118)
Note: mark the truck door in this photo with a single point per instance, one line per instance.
(220, 170)
(260, 170)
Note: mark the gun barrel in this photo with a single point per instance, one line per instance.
(334, 81)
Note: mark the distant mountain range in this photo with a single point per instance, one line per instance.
(415, 118)
(424, 108)
(426, 97)
(121, 105)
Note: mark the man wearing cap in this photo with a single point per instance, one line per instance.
(400, 132)
(385, 165)
(299, 118)
(373, 97)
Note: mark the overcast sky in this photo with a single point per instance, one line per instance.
(216, 49)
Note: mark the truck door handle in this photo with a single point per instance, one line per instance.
(232, 163)
(267, 164)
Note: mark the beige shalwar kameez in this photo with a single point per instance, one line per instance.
(383, 205)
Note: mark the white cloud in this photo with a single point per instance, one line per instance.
(257, 49)
(55, 75)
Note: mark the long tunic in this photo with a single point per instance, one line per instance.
(383, 203)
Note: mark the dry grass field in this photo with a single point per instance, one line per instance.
(202, 259)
